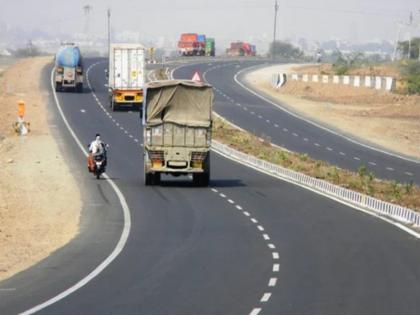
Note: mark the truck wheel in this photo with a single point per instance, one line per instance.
(201, 179)
(114, 106)
(58, 87)
(156, 178)
(148, 179)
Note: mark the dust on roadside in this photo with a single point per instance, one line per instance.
(39, 199)
(386, 119)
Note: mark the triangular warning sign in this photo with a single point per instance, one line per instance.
(196, 77)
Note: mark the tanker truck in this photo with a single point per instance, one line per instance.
(68, 71)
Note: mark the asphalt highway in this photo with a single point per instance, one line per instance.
(261, 117)
(248, 244)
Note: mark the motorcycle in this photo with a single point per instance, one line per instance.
(99, 164)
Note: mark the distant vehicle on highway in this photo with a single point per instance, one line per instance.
(192, 44)
(210, 47)
(68, 72)
(126, 76)
(177, 127)
(240, 49)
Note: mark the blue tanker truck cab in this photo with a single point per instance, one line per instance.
(69, 69)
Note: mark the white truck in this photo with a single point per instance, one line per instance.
(126, 76)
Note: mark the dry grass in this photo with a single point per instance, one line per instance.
(404, 194)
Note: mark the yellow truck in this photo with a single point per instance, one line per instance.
(177, 127)
(126, 76)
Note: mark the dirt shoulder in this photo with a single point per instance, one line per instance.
(389, 120)
(39, 199)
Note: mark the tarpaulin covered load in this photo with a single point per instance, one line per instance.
(182, 102)
(68, 57)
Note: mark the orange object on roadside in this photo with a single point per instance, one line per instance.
(91, 164)
(21, 109)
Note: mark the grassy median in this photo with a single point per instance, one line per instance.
(364, 181)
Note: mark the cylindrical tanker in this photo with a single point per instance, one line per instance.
(68, 57)
(69, 68)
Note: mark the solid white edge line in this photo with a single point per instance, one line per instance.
(121, 242)
(390, 221)
(314, 123)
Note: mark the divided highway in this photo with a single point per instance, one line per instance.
(250, 112)
(248, 244)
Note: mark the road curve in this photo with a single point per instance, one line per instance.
(248, 244)
(260, 116)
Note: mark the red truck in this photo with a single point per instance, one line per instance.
(241, 49)
(188, 44)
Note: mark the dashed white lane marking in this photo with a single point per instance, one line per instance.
(295, 134)
(275, 255)
(259, 227)
(276, 267)
(260, 117)
(272, 282)
(117, 123)
(136, 140)
(237, 104)
(317, 144)
(231, 201)
(266, 237)
(285, 129)
(252, 113)
(214, 190)
(329, 149)
(342, 153)
(305, 139)
(265, 297)
(238, 207)
(245, 108)
(271, 246)
(254, 220)
(275, 125)
(126, 132)
(222, 195)
(131, 136)
(356, 158)
(408, 173)
(83, 111)
(390, 169)
(267, 121)
(246, 213)
(255, 311)
(372, 163)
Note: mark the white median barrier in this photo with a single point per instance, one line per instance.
(356, 81)
(358, 200)
(378, 83)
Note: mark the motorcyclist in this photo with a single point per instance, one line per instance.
(97, 147)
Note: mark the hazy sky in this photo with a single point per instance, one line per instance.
(357, 20)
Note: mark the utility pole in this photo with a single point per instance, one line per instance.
(276, 8)
(109, 29)
(410, 25)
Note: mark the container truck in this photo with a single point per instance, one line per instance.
(177, 126)
(68, 71)
(210, 47)
(126, 76)
(201, 39)
(188, 44)
(241, 49)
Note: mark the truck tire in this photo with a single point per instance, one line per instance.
(58, 87)
(114, 106)
(148, 179)
(201, 179)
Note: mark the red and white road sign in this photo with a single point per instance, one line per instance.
(196, 77)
